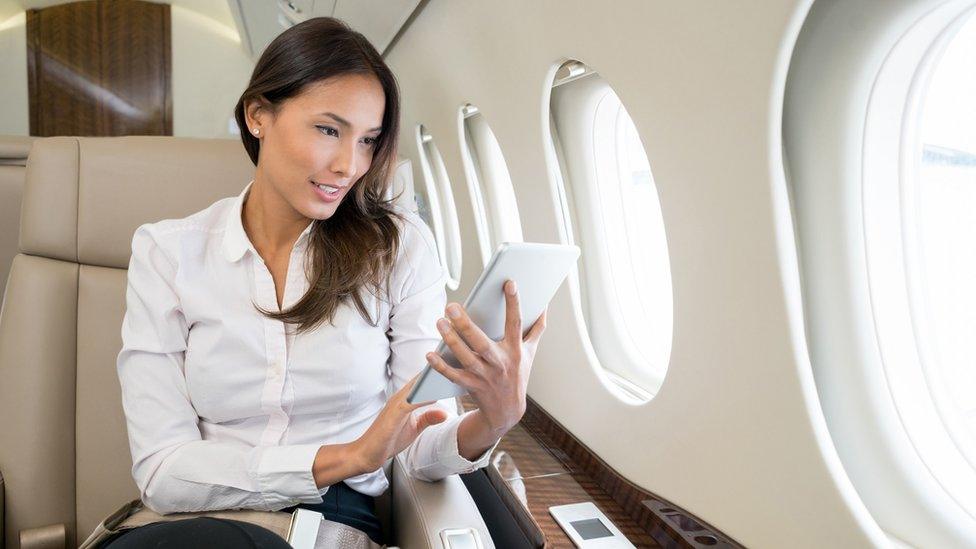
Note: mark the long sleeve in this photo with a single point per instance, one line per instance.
(175, 469)
(413, 333)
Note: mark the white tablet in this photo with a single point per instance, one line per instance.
(537, 269)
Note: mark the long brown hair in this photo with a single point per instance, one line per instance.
(355, 248)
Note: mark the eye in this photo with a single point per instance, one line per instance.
(327, 129)
(371, 141)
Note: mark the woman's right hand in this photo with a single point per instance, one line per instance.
(394, 429)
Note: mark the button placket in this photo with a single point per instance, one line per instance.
(295, 288)
(274, 339)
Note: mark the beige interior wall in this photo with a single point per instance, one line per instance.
(736, 434)
(210, 70)
(13, 76)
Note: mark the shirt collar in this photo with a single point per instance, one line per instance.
(236, 243)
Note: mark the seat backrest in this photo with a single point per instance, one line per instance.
(402, 186)
(13, 159)
(64, 454)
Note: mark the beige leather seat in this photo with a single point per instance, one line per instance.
(64, 456)
(13, 159)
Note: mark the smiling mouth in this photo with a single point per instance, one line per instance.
(328, 188)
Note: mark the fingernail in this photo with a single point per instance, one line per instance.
(453, 311)
(442, 324)
(512, 290)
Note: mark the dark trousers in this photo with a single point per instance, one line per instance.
(340, 504)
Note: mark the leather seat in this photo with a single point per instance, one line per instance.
(64, 456)
(13, 159)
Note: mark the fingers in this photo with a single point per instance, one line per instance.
(513, 315)
(455, 375)
(400, 397)
(472, 334)
(536, 331)
(460, 349)
(402, 392)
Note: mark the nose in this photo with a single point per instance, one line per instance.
(344, 161)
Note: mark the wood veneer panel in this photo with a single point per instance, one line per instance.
(100, 68)
(540, 493)
(135, 51)
(643, 507)
(65, 69)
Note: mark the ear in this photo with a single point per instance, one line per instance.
(257, 113)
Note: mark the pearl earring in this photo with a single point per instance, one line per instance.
(256, 131)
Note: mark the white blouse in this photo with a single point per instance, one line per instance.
(225, 407)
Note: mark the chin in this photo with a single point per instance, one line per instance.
(320, 214)
(323, 211)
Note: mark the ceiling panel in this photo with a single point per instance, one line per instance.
(378, 20)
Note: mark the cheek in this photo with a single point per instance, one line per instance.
(284, 154)
(308, 157)
(367, 161)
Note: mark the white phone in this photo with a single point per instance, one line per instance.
(537, 269)
(588, 527)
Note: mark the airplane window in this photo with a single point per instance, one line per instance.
(437, 206)
(944, 225)
(881, 163)
(496, 210)
(614, 214)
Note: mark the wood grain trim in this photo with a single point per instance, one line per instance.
(167, 67)
(33, 28)
(659, 518)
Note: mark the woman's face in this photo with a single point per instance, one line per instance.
(323, 137)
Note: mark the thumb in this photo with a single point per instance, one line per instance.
(430, 417)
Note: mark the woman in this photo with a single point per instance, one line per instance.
(264, 335)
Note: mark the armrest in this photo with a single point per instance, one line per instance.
(423, 510)
(53, 536)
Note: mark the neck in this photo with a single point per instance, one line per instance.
(269, 221)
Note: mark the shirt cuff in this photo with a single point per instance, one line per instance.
(449, 456)
(284, 475)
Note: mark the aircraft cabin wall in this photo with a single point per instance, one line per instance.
(735, 434)
(742, 337)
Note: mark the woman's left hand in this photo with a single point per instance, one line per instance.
(495, 374)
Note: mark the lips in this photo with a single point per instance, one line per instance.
(327, 196)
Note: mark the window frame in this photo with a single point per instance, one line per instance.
(625, 369)
(493, 198)
(891, 166)
(440, 198)
(850, 154)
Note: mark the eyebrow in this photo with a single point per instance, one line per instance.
(346, 123)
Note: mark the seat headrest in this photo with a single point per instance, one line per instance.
(84, 197)
(14, 149)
